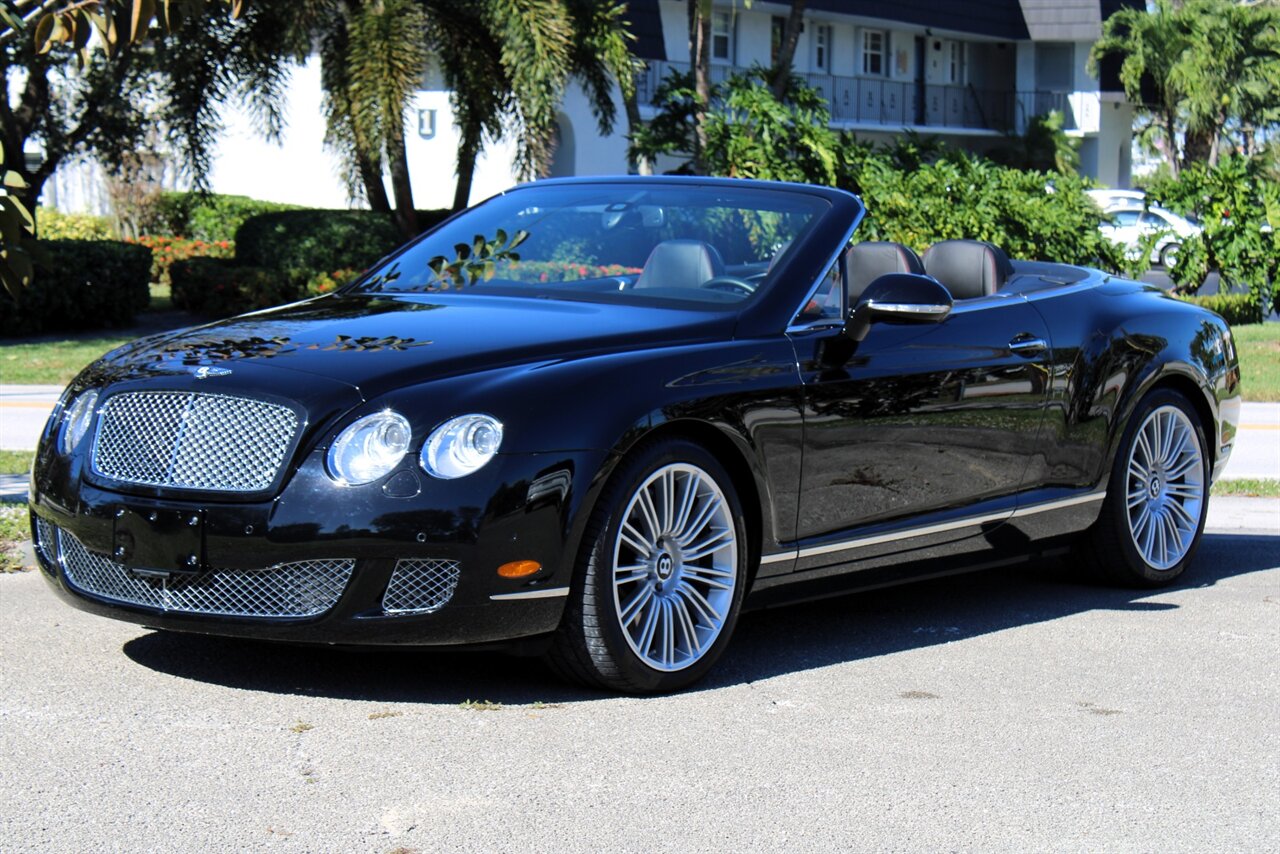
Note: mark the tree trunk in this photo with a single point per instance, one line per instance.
(1197, 147)
(642, 164)
(700, 63)
(375, 192)
(468, 150)
(787, 50)
(398, 161)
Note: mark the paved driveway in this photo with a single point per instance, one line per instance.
(1009, 710)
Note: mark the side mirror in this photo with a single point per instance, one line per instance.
(898, 298)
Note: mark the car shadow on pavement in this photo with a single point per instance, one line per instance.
(767, 643)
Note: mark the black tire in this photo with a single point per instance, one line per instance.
(1110, 547)
(1169, 255)
(592, 646)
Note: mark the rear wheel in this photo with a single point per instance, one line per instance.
(1157, 497)
(1169, 255)
(661, 577)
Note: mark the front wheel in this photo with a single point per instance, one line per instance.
(1169, 255)
(1157, 497)
(661, 577)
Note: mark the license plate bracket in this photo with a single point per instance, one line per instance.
(169, 541)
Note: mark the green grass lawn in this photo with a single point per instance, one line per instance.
(16, 462)
(1249, 487)
(53, 362)
(1259, 347)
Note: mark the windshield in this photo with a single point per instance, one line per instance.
(699, 246)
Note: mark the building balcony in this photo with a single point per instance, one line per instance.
(877, 103)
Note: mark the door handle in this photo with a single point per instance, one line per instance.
(1028, 345)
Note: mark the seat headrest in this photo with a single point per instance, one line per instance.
(968, 268)
(680, 264)
(866, 262)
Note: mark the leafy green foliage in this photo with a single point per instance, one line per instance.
(56, 225)
(1236, 309)
(476, 262)
(302, 243)
(217, 287)
(16, 231)
(210, 217)
(87, 284)
(1240, 210)
(1045, 147)
(1205, 71)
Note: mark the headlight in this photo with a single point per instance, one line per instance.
(77, 421)
(369, 448)
(461, 445)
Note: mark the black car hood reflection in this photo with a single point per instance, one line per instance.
(382, 342)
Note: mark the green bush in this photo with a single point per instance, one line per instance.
(210, 217)
(1236, 309)
(303, 243)
(219, 287)
(53, 224)
(86, 284)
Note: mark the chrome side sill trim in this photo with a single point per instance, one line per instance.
(942, 527)
(548, 593)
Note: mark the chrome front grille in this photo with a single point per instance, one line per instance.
(420, 586)
(188, 440)
(305, 588)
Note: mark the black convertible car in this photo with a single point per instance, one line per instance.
(596, 417)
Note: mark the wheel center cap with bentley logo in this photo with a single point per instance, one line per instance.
(1154, 487)
(666, 565)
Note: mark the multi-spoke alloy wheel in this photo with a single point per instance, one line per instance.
(661, 575)
(674, 566)
(1165, 487)
(1157, 496)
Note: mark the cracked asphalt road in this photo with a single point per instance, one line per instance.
(1008, 710)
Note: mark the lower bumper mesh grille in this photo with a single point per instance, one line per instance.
(420, 586)
(301, 589)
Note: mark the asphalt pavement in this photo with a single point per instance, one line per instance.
(1011, 710)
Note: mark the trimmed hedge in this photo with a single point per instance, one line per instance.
(306, 242)
(85, 284)
(210, 218)
(220, 287)
(53, 224)
(1236, 309)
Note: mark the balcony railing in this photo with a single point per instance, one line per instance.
(901, 103)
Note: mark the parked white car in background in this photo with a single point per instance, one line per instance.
(1130, 226)
(1109, 199)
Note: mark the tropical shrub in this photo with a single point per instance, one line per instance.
(303, 243)
(219, 287)
(53, 224)
(325, 283)
(83, 284)
(166, 250)
(1239, 207)
(209, 217)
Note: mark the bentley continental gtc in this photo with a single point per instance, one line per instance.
(595, 418)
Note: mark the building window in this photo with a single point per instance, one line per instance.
(822, 49)
(955, 67)
(722, 36)
(873, 51)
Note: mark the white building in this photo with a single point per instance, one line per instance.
(969, 71)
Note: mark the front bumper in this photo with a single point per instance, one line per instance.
(364, 539)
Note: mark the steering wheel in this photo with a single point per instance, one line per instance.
(732, 284)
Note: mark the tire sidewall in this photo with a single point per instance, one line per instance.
(1117, 489)
(599, 570)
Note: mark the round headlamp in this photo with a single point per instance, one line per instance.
(369, 448)
(461, 446)
(77, 421)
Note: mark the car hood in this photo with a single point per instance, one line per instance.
(377, 342)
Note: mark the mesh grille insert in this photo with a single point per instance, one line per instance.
(46, 545)
(420, 586)
(301, 589)
(186, 440)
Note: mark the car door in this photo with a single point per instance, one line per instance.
(921, 424)
(1125, 230)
